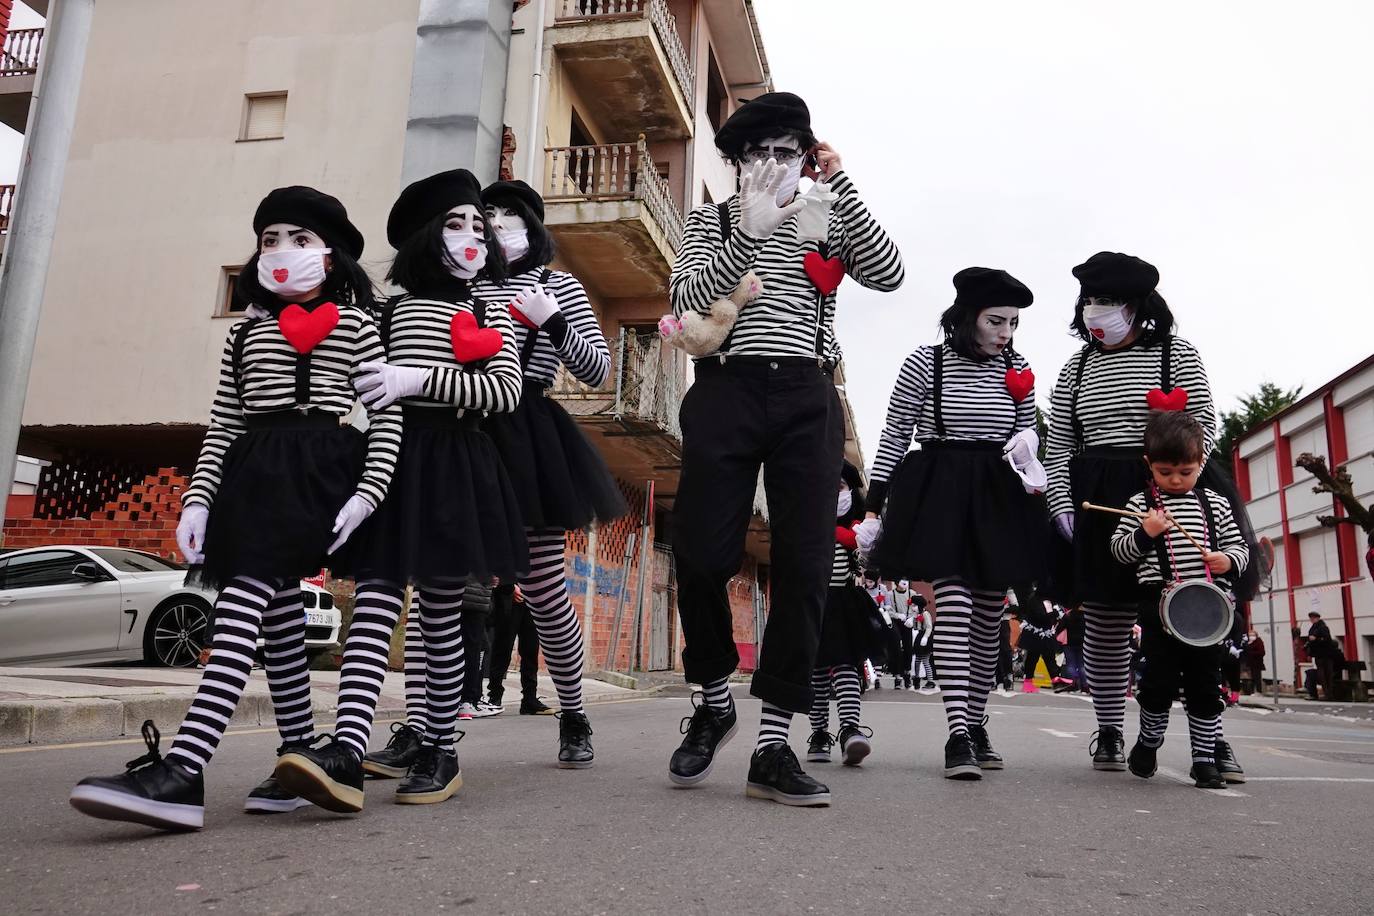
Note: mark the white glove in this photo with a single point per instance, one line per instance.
(813, 224)
(866, 533)
(383, 384)
(759, 213)
(191, 532)
(1064, 524)
(1020, 452)
(353, 514)
(538, 305)
(256, 311)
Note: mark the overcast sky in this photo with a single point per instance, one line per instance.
(1226, 142)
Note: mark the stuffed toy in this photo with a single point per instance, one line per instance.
(701, 335)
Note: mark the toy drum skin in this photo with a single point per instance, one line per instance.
(1196, 613)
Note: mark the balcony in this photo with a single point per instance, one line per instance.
(627, 60)
(18, 70)
(613, 217)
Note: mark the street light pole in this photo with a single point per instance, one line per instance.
(29, 246)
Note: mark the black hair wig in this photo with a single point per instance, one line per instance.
(959, 324)
(1152, 317)
(542, 249)
(422, 261)
(346, 283)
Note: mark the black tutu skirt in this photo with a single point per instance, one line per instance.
(559, 477)
(283, 483)
(852, 629)
(451, 510)
(958, 509)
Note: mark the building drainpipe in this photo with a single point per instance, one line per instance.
(532, 147)
(1346, 555)
(1292, 556)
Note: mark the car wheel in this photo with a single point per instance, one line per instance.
(176, 632)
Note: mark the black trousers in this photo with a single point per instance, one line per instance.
(1170, 664)
(513, 622)
(784, 415)
(476, 653)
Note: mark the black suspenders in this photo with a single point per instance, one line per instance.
(939, 384)
(1166, 380)
(236, 358)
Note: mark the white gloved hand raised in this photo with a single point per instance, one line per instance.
(1064, 524)
(538, 305)
(191, 533)
(866, 533)
(1020, 453)
(353, 514)
(383, 384)
(759, 213)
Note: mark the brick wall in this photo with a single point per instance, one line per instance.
(143, 518)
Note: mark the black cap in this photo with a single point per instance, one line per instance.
(502, 191)
(427, 198)
(1110, 273)
(313, 210)
(988, 287)
(770, 115)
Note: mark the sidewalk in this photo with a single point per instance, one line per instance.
(54, 705)
(1289, 703)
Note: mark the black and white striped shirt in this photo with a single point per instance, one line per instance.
(1112, 405)
(842, 566)
(782, 321)
(1131, 545)
(575, 341)
(420, 336)
(269, 385)
(975, 404)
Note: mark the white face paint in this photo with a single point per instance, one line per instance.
(293, 262)
(994, 327)
(511, 231)
(1108, 322)
(846, 500)
(786, 151)
(464, 237)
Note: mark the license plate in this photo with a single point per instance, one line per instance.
(317, 619)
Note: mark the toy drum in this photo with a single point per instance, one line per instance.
(1196, 613)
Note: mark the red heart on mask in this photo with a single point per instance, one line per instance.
(825, 273)
(280, 274)
(846, 538)
(470, 253)
(1177, 399)
(1098, 333)
(1019, 383)
(471, 343)
(304, 330)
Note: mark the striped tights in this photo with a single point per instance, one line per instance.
(376, 608)
(434, 660)
(843, 681)
(545, 589)
(1107, 659)
(967, 624)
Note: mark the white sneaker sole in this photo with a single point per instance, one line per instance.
(856, 751)
(817, 758)
(758, 790)
(109, 805)
(274, 805)
(688, 781)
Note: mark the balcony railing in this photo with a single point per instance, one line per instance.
(6, 206)
(665, 26)
(20, 57)
(615, 171)
(646, 383)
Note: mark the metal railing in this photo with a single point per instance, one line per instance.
(6, 206)
(614, 171)
(646, 382)
(665, 26)
(20, 57)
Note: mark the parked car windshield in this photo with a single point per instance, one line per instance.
(133, 561)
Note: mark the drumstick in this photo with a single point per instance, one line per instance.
(1173, 521)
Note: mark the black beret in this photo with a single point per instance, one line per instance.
(1110, 273)
(501, 191)
(770, 115)
(313, 210)
(427, 198)
(988, 287)
(852, 477)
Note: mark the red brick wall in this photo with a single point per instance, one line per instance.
(144, 518)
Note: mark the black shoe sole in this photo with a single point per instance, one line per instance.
(1233, 778)
(300, 775)
(964, 771)
(575, 764)
(1149, 775)
(1109, 766)
(109, 805)
(689, 781)
(768, 793)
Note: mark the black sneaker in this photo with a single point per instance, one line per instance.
(534, 707)
(775, 774)
(574, 741)
(707, 731)
(854, 744)
(433, 777)
(988, 759)
(269, 797)
(394, 760)
(818, 747)
(1207, 776)
(1144, 760)
(330, 775)
(1227, 764)
(151, 791)
(1107, 747)
(961, 759)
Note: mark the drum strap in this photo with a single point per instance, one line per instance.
(1164, 549)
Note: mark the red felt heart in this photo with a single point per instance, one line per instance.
(1019, 383)
(471, 343)
(280, 274)
(1174, 400)
(304, 330)
(522, 318)
(825, 273)
(846, 538)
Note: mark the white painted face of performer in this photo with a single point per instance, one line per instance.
(511, 232)
(293, 262)
(994, 327)
(786, 152)
(465, 238)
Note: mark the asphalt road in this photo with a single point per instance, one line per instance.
(1046, 835)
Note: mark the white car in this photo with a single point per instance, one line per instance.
(67, 605)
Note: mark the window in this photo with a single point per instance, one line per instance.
(1319, 562)
(716, 104)
(264, 116)
(1359, 426)
(42, 567)
(135, 561)
(1264, 473)
(231, 304)
(1311, 438)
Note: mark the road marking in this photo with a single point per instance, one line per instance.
(1176, 776)
(1282, 738)
(1058, 734)
(1309, 779)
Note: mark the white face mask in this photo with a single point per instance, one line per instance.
(1108, 324)
(846, 500)
(290, 272)
(789, 183)
(468, 250)
(515, 243)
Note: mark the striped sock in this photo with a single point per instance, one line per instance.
(560, 634)
(1202, 734)
(846, 681)
(717, 694)
(1152, 727)
(773, 726)
(820, 700)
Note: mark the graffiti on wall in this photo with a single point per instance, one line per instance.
(609, 580)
